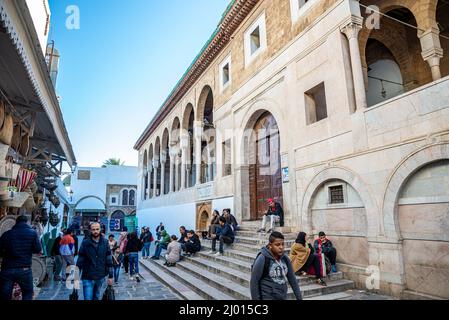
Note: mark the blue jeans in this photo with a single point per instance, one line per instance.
(92, 289)
(133, 263)
(146, 249)
(116, 272)
(23, 277)
(159, 248)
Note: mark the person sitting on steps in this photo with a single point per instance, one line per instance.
(230, 219)
(173, 252)
(226, 235)
(302, 257)
(193, 244)
(324, 245)
(214, 224)
(275, 214)
(161, 244)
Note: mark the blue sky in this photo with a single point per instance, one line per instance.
(119, 67)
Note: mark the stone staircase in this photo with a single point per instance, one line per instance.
(227, 277)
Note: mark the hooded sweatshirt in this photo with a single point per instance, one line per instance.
(273, 285)
(165, 238)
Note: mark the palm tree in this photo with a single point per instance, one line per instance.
(113, 162)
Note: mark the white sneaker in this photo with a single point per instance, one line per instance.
(218, 254)
(131, 278)
(211, 252)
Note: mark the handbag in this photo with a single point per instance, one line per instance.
(74, 295)
(109, 294)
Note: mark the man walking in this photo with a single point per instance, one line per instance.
(274, 214)
(17, 247)
(67, 251)
(272, 272)
(95, 263)
(56, 254)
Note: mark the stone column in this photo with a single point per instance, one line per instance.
(432, 51)
(351, 30)
(176, 163)
(155, 167)
(163, 161)
(150, 169)
(184, 150)
(198, 132)
(210, 165)
(172, 159)
(173, 153)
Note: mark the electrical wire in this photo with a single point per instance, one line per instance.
(397, 20)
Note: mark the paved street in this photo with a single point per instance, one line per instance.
(148, 289)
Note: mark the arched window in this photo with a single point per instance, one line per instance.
(132, 197)
(125, 198)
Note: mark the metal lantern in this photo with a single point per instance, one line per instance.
(44, 216)
(54, 219)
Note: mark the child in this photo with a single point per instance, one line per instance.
(173, 252)
(271, 271)
(117, 257)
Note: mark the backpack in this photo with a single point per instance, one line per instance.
(266, 265)
(151, 237)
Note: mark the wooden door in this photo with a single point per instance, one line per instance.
(265, 170)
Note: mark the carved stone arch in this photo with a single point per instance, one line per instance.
(353, 179)
(410, 165)
(206, 93)
(88, 197)
(188, 110)
(175, 130)
(252, 114)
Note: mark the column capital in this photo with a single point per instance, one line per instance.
(156, 163)
(184, 141)
(352, 27)
(173, 151)
(163, 157)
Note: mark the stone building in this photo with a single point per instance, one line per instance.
(337, 109)
(106, 195)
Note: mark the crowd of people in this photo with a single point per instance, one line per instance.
(100, 258)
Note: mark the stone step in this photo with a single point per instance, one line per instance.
(241, 275)
(332, 296)
(160, 274)
(262, 235)
(241, 247)
(242, 292)
(259, 241)
(255, 226)
(200, 288)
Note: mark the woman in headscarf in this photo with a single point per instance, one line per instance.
(302, 257)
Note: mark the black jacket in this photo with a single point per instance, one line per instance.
(18, 245)
(183, 236)
(278, 211)
(55, 248)
(146, 237)
(133, 245)
(227, 231)
(195, 243)
(232, 221)
(95, 259)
